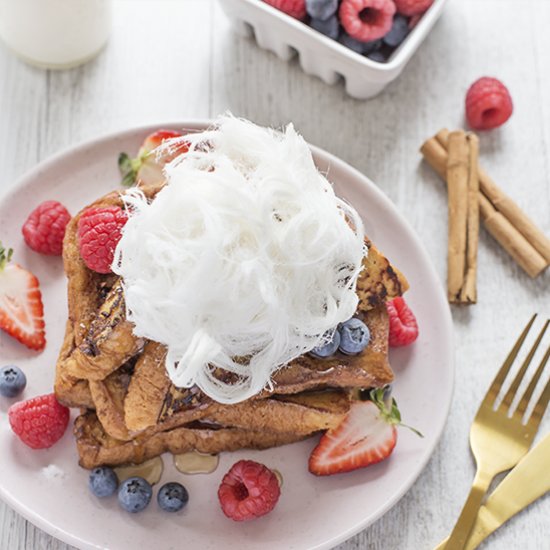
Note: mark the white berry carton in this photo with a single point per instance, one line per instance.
(320, 55)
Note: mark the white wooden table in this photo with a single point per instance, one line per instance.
(178, 59)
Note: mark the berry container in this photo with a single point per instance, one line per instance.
(320, 55)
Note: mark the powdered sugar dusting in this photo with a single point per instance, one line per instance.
(53, 472)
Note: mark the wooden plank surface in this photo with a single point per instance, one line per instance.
(177, 59)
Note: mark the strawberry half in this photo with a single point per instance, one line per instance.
(367, 435)
(147, 166)
(21, 309)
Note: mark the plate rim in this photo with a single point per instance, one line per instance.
(332, 160)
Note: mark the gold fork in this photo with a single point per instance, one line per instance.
(498, 440)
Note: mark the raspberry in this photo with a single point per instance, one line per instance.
(414, 20)
(249, 490)
(367, 20)
(99, 230)
(412, 7)
(45, 228)
(403, 325)
(294, 8)
(39, 422)
(488, 104)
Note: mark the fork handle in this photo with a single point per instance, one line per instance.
(459, 536)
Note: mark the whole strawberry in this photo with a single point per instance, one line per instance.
(39, 422)
(99, 230)
(21, 308)
(45, 228)
(249, 490)
(148, 166)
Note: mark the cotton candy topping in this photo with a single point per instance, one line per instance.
(244, 261)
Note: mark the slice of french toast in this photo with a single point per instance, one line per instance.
(108, 343)
(370, 369)
(315, 410)
(96, 448)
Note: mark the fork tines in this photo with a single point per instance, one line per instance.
(500, 378)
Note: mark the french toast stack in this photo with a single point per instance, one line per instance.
(130, 411)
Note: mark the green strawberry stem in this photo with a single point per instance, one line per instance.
(5, 256)
(390, 412)
(129, 168)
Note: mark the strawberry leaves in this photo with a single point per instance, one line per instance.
(129, 168)
(388, 409)
(5, 256)
(134, 169)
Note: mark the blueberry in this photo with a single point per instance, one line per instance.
(172, 497)
(357, 46)
(398, 32)
(321, 9)
(329, 348)
(372, 46)
(377, 56)
(12, 381)
(134, 494)
(355, 336)
(330, 27)
(103, 482)
(349, 42)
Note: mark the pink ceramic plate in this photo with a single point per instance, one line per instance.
(312, 512)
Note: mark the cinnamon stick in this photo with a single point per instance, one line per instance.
(457, 188)
(511, 239)
(501, 228)
(463, 190)
(436, 156)
(508, 208)
(468, 294)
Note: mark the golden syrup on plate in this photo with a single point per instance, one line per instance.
(150, 470)
(279, 477)
(194, 462)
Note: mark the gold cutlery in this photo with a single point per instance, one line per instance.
(527, 482)
(499, 439)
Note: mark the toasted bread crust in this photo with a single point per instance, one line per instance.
(380, 280)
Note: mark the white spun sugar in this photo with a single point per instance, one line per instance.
(245, 260)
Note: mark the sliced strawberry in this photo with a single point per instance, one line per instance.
(367, 435)
(21, 309)
(156, 139)
(147, 167)
(363, 438)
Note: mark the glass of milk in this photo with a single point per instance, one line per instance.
(55, 34)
